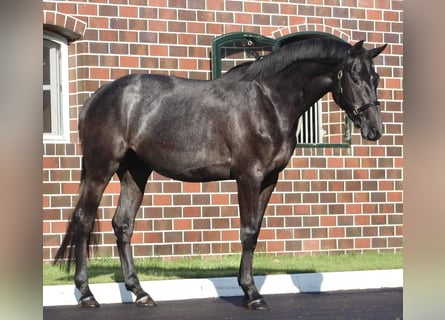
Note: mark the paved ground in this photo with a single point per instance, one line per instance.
(382, 304)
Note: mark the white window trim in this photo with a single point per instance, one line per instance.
(63, 134)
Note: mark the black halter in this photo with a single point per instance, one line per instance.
(355, 111)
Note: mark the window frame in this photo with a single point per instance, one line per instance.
(58, 88)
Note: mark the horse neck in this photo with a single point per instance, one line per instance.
(294, 90)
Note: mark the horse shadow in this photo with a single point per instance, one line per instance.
(295, 283)
(268, 282)
(125, 295)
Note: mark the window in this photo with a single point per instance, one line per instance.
(310, 130)
(237, 47)
(55, 88)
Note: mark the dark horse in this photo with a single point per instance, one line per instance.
(240, 126)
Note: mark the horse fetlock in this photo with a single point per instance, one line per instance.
(81, 283)
(250, 291)
(246, 283)
(132, 284)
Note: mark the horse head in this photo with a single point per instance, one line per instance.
(355, 90)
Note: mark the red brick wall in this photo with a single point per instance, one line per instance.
(332, 200)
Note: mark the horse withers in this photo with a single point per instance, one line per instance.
(241, 126)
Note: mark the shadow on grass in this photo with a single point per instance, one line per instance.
(168, 272)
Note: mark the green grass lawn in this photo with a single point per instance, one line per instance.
(102, 270)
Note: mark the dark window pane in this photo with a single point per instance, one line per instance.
(46, 111)
(46, 64)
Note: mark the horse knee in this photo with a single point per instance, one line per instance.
(249, 238)
(122, 229)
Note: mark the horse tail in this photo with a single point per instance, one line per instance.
(66, 253)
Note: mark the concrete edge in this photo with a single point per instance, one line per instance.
(165, 290)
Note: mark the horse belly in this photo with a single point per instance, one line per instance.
(186, 160)
(193, 171)
(203, 174)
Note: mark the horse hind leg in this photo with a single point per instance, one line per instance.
(75, 246)
(133, 175)
(84, 222)
(98, 168)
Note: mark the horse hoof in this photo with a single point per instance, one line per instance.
(88, 302)
(145, 301)
(258, 304)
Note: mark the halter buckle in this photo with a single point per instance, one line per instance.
(340, 75)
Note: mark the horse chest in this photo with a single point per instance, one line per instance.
(282, 157)
(272, 155)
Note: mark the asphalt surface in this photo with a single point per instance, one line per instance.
(382, 304)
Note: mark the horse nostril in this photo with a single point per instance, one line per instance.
(373, 134)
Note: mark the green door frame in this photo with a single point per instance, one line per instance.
(237, 41)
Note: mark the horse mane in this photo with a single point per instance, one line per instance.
(311, 49)
(238, 71)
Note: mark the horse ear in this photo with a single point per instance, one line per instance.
(357, 48)
(376, 51)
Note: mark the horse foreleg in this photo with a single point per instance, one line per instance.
(123, 224)
(253, 199)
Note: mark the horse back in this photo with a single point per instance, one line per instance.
(185, 129)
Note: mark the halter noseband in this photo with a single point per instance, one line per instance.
(355, 111)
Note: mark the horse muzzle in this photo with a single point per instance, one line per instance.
(368, 121)
(372, 134)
